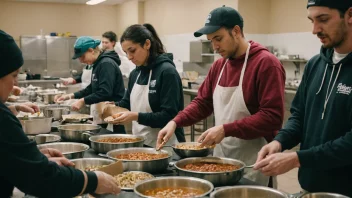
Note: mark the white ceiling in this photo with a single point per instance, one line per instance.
(107, 2)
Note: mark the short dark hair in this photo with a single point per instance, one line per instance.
(229, 29)
(139, 34)
(111, 36)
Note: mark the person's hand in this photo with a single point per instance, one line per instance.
(78, 104)
(271, 148)
(165, 134)
(278, 163)
(212, 136)
(125, 117)
(16, 91)
(68, 81)
(61, 98)
(110, 103)
(61, 161)
(27, 107)
(50, 152)
(106, 184)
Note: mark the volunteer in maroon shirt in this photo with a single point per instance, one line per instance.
(245, 89)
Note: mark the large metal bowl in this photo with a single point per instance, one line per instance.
(78, 132)
(167, 182)
(217, 178)
(56, 111)
(104, 147)
(70, 150)
(83, 163)
(149, 166)
(45, 138)
(36, 125)
(185, 153)
(322, 195)
(248, 191)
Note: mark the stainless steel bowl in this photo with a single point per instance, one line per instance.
(56, 111)
(104, 147)
(45, 138)
(48, 98)
(36, 125)
(83, 163)
(70, 150)
(167, 182)
(248, 191)
(149, 166)
(217, 178)
(185, 153)
(322, 195)
(78, 132)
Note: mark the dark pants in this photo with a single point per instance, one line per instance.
(118, 129)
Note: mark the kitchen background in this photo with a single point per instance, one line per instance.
(282, 25)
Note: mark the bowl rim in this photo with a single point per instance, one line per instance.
(144, 148)
(220, 189)
(84, 146)
(177, 178)
(117, 135)
(62, 127)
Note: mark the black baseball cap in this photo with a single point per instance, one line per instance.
(342, 5)
(220, 17)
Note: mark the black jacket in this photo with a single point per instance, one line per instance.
(25, 167)
(326, 142)
(107, 81)
(165, 93)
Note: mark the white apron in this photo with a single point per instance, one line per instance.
(86, 78)
(139, 100)
(229, 105)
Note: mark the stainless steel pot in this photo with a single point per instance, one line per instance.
(78, 132)
(149, 166)
(56, 111)
(83, 163)
(48, 98)
(185, 153)
(45, 138)
(36, 125)
(322, 195)
(167, 182)
(70, 150)
(248, 191)
(217, 178)
(104, 147)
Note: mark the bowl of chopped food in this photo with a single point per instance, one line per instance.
(219, 171)
(192, 149)
(91, 164)
(127, 180)
(106, 143)
(141, 159)
(170, 187)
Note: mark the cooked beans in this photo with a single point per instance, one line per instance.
(173, 192)
(119, 140)
(211, 167)
(141, 156)
(129, 179)
(192, 147)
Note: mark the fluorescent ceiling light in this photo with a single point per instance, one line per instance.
(94, 2)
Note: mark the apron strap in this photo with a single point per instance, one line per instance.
(244, 65)
(150, 76)
(222, 71)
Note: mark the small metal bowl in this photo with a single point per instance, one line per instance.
(45, 138)
(104, 147)
(322, 195)
(70, 150)
(185, 153)
(82, 163)
(167, 182)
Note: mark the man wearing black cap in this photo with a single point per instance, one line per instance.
(244, 89)
(321, 110)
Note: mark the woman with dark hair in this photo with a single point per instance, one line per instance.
(41, 173)
(154, 94)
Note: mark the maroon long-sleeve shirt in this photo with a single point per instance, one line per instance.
(263, 89)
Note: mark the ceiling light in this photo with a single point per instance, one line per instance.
(94, 2)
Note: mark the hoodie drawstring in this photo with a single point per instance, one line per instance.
(327, 96)
(322, 81)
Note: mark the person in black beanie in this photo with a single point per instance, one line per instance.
(321, 112)
(42, 173)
